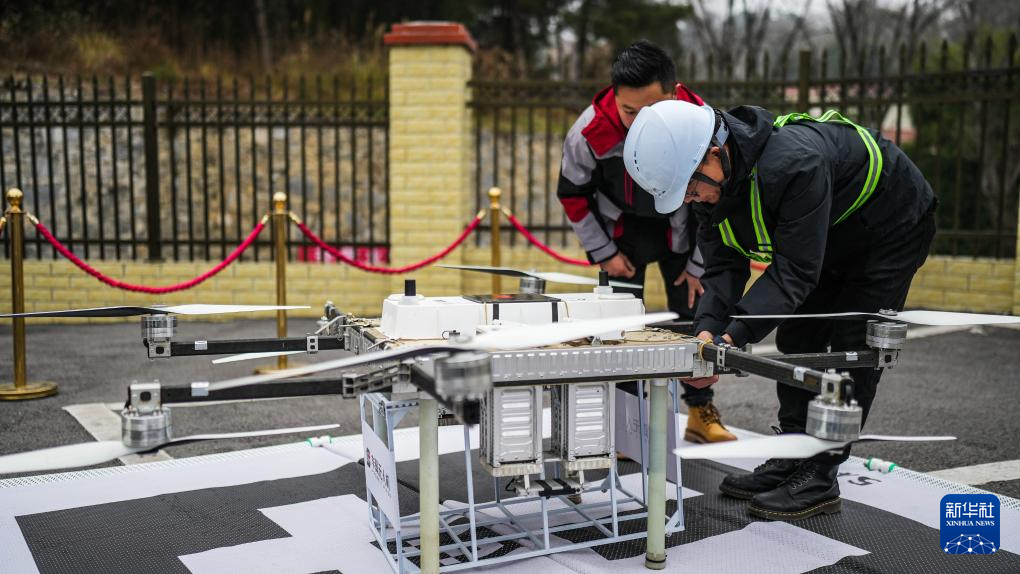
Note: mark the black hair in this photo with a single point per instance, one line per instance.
(642, 63)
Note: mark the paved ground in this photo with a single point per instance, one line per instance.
(960, 383)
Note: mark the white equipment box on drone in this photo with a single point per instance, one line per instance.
(411, 317)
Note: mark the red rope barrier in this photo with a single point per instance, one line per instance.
(542, 246)
(144, 288)
(549, 250)
(387, 270)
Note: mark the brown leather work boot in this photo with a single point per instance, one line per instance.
(705, 425)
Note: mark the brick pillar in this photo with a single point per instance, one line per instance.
(431, 199)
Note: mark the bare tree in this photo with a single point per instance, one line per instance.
(265, 51)
(914, 20)
(736, 35)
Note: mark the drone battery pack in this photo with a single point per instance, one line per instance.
(510, 443)
(582, 425)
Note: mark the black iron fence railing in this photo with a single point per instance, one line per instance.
(139, 168)
(953, 109)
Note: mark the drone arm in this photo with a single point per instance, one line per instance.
(397, 354)
(786, 373)
(238, 346)
(839, 360)
(201, 392)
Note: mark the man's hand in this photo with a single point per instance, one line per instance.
(702, 382)
(618, 266)
(694, 287)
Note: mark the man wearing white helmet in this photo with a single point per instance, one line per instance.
(841, 215)
(617, 223)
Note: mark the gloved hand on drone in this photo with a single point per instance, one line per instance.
(702, 382)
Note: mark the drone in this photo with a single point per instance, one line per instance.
(487, 360)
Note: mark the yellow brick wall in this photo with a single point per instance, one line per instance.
(946, 283)
(60, 285)
(966, 284)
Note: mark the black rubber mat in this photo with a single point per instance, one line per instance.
(149, 534)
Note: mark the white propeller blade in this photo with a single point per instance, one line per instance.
(920, 317)
(785, 446)
(552, 276)
(132, 310)
(73, 455)
(90, 453)
(506, 339)
(250, 356)
(557, 277)
(516, 338)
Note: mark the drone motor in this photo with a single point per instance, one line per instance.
(157, 332)
(145, 422)
(464, 376)
(830, 415)
(535, 285)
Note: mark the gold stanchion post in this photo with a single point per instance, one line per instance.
(280, 219)
(494, 193)
(20, 389)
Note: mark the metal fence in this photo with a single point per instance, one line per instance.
(145, 169)
(951, 108)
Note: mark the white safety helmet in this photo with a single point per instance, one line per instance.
(664, 146)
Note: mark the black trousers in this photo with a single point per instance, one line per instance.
(874, 278)
(644, 241)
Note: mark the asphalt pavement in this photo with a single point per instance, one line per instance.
(959, 383)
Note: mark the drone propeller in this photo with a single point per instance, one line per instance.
(500, 339)
(933, 318)
(131, 310)
(551, 276)
(90, 453)
(786, 446)
(251, 356)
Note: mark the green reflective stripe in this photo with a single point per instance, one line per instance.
(875, 162)
(757, 219)
(726, 231)
(874, 171)
(730, 240)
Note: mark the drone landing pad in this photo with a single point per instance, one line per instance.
(296, 508)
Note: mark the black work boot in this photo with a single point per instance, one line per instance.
(764, 478)
(811, 490)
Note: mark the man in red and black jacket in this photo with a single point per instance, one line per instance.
(616, 220)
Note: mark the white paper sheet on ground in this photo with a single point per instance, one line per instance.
(760, 547)
(917, 497)
(313, 545)
(116, 484)
(903, 492)
(90, 453)
(918, 317)
(630, 482)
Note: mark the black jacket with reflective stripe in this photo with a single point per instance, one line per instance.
(808, 175)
